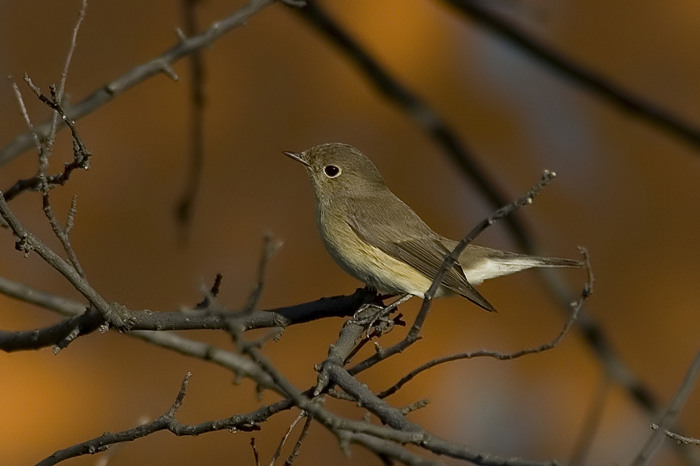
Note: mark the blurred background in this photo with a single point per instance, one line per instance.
(626, 190)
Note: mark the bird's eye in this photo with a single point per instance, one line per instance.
(331, 171)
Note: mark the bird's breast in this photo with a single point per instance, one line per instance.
(364, 261)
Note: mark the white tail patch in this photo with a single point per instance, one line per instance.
(486, 269)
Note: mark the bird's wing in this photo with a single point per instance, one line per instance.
(427, 255)
(414, 243)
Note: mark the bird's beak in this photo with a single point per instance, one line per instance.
(298, 156)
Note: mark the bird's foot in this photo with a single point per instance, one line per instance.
(376, 317)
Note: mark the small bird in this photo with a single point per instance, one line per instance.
(378, 239)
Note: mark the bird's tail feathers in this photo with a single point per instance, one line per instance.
(501, 263)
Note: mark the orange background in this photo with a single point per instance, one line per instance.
(626, 191)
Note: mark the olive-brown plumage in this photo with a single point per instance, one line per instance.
(378, 239)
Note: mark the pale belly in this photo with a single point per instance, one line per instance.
(370, 264)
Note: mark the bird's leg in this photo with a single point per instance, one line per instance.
(367, 313)
(376, 313)
(377, 303)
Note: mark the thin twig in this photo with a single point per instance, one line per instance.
(25, 115)
(269, 249)
(415, 406)
(681, 439)
(140, 73)
(576, 308)
(300, 441)
(81, 155)
(256, 455)
(62, 233)
(58, 96)
(71, 50)
(26, 242)
(278, 451)
(394, 418)
(208, 303)
(398, 426)
(241, 422)
(185, 204)
(449, 261)
(669, 416)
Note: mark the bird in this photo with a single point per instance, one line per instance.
(378, 239)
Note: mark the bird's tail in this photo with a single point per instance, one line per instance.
(481, 263)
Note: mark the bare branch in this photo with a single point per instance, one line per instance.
(415, 406)
(210, 295)
(297, 447)
(25, 115)
(579, 74)
(576, 308)
(62, 233)
(139, 74)
(414, 333)
(670, 415)
(27, 242)
(150, 322)
(81, 155)
(434, 125)
(394, 418)
(241, 422)
(338, 353)
(388, 441)
(256, 455)
(269, 249)
(71, 50)
(58, 93)
(58, 335)
(388, 450)
(50, 301)
(278, 451)
(184, 206)
(271, 378)
(452, 258)
(682, 439)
